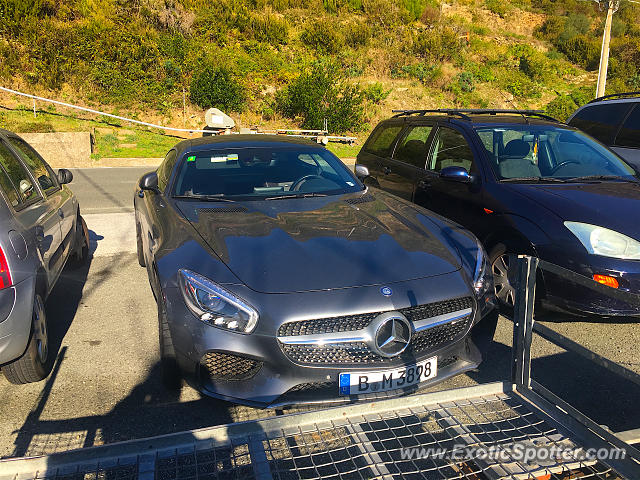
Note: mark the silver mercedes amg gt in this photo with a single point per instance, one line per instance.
(281, 279)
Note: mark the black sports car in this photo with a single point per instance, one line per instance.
(280, 278)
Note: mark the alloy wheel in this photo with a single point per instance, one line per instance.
(40, 331)
(502, 281)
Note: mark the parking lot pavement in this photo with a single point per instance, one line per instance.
(105, 385)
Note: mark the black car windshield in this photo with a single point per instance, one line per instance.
(539, 152)
(263, 173)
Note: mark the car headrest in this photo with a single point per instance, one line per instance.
(516, 148)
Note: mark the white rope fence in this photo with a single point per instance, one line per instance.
(97, 112)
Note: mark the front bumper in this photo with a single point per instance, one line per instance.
(566, 295)
(15, 321)
(261, 374)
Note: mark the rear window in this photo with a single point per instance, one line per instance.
(629, 135)
(601, 121)
(382, 139)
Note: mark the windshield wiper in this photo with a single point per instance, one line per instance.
(297, 195)
(533, 179)
(587, 178)
(206, 198)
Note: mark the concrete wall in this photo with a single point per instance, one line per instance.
(62, 149)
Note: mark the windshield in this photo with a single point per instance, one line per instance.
(548, 152)
(263, 173)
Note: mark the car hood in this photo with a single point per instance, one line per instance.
(295, 245)
(611, 205)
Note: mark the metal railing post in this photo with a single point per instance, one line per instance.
(523, 310)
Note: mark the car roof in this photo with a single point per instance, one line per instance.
(244, 141)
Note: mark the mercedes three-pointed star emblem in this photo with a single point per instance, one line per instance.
(393, 335)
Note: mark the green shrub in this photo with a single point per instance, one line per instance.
(437, 44)
(426, 73)
(320, 94)
(269, 28)
(415, 8)
(376, 93)
(534, 65)
(499, 7)
(522, 87)
(357, 34)
(322, 36)
(583, 50)
(216, 87)
(466, 82)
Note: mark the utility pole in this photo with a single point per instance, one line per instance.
(612, 7)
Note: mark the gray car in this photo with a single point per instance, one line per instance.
(40, 230)
(281, 279)
(615, 121)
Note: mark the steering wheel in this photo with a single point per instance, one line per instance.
(295, 186)
(562, 164)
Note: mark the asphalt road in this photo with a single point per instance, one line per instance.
(105, 385)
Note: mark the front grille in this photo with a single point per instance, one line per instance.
(224, 366)
(357, 353)
(348, 323)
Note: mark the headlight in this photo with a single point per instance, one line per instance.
(482, 278)
(214, 305)
(602, 241)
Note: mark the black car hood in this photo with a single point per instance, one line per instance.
(614, 205)
(296, 245)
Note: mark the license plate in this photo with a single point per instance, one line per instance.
(359, 383)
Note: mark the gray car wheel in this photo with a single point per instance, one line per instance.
(81, 248)
(139, 246)
(171, 377)
(502, 275)
(33, 365)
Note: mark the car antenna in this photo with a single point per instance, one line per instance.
(515, 107)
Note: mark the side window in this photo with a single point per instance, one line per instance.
(601, 121)
(18, 176)
(413, 147)
(450, 149)
(629, 135)
(165, 169)
(381, 140)
(41, 171)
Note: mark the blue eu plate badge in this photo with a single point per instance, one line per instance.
(345, 383)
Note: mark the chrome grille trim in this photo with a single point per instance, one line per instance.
(364, 335)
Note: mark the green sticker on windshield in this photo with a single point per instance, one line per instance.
(192, 158)
(232, 156)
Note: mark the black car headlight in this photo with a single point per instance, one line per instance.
(482, 276)
(214, 305)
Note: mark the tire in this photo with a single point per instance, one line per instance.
(33, 365)
(80, 254)
(139, 247)
(503, 275)
(171, 376)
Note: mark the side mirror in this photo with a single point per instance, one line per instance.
(362, 172)
(456, 174)
(64, 176)
(149, 181)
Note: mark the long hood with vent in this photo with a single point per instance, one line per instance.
(306, 244)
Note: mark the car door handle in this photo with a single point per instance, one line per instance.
(386, 170)
(423, 184)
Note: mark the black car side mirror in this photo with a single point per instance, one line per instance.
(64, 176)
(362, 172)
(456, 174)
(149, 181)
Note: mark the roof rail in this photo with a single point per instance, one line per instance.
(463, 112)
(614, 95)
(403, 113)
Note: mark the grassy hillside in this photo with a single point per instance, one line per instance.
(277, 63)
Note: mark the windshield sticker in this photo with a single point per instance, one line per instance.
(219, 159)
(232, 156)
(192, 158)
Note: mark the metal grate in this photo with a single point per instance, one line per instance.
(359, 353)
(224, 366)
(348, 323)
(366, 441)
